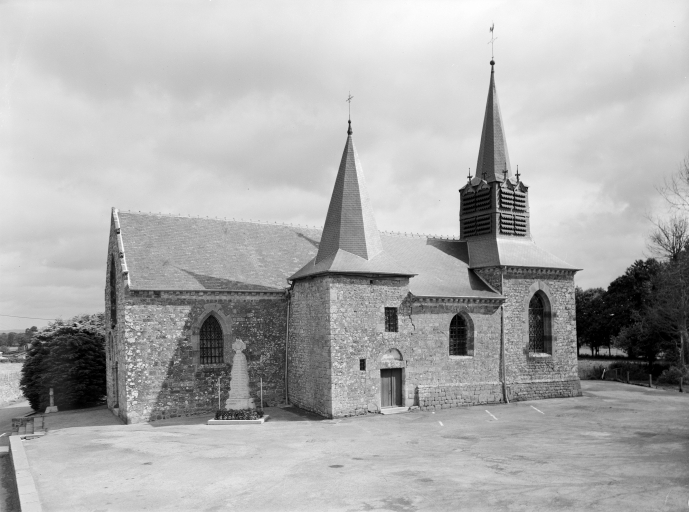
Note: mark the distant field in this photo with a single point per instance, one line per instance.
(9, 383)
(10, 368)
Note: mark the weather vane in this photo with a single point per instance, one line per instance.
(492, 40)
(349, 100)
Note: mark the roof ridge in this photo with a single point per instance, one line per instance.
(286, 224)
(419, 235)
(225, 219)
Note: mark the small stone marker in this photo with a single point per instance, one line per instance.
(52, 407)
(239, 381)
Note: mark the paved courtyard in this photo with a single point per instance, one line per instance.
(618, 447)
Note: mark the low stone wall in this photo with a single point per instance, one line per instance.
(432, 398)
(543, 389)
(590, 369)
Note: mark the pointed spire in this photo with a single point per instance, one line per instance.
(351, 242)
(350, 224)
(493, 157)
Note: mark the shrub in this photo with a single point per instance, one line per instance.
(636, 371)
(673, 374)
(239, 414)
(70, 358)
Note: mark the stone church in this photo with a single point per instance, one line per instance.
(344, 320)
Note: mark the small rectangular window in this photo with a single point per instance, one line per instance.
(390, 319)
(362, 365)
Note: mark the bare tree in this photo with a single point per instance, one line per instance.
(675, 190)
(669, 238)
(669, 241)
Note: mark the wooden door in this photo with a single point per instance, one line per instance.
(391, 387)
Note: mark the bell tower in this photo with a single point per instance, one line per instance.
(494, 203)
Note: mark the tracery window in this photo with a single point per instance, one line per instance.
(536, 325)
(460, 340)
(113, 293)
(212, 341)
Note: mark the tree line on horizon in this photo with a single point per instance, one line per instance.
(645, 311)
(16, 339)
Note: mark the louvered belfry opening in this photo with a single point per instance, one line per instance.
(211, 341)
(536, 325)
(458, 337)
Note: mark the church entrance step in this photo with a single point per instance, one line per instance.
(394, 410)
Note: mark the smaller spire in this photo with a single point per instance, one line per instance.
(517, 173)
(469, 177)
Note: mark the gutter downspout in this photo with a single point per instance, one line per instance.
(502, 342)
(288, 294)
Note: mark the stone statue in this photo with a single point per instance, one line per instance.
(239, 381)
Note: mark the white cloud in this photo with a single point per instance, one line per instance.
(237, 110)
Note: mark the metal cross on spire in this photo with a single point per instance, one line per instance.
(349, 100)
(492, 40)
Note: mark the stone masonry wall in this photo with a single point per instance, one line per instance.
(534, 376)
(308, 365)
(455, 395)
(163, 377)
(114, 354)
(349, 312)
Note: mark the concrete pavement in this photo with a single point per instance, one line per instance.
(617, 447)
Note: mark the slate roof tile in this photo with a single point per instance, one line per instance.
(182, 253)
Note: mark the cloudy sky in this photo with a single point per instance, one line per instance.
(237, 109)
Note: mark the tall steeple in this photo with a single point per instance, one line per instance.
(494, 203)
(351, 241)
(493, 157)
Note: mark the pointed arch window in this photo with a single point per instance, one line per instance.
(537, 338)
(461, 343)
(113, 293)
(211, 341)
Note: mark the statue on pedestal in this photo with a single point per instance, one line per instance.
(239, 381)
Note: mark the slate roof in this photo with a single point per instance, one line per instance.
(350, 224)
(493, 156)
(182, 253)
(512, 252)
(351, 242)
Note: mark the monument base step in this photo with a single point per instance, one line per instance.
(238, 422)
(394, 410)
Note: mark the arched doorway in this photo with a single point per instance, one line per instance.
(391, 379)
